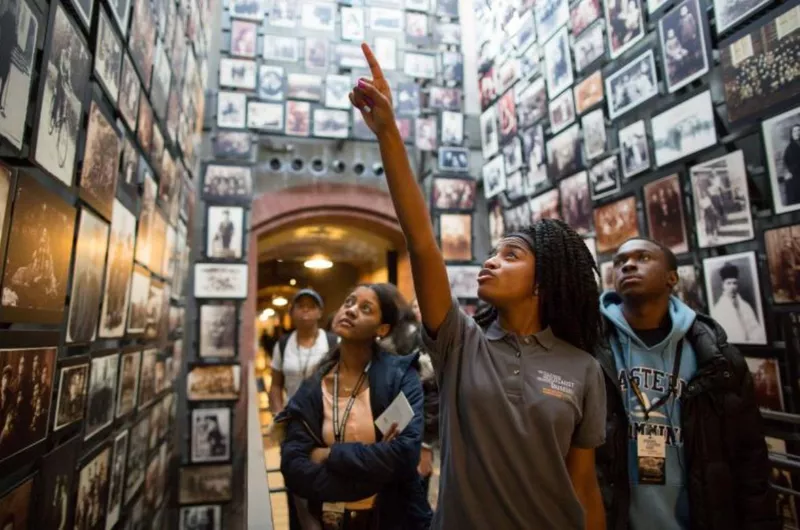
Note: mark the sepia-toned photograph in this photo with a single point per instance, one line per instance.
(102, 390)
(722, 201)
(419, 65)
(141, 41)
(682, 33)
(686, 128)
(92, 494)
(15, 506)
(576, 202)
(582, 13)
(220, 280)
(231, 109)
(140, 289)
(38, 255)
(203, 517)
(590, 46)
(129, 90)
(218, 330)
(594, 134)
(282, 49)
(494, 177)
(531, 103)
(625, 25)
(117, 481)
(298, 118)
(550, 15)
(497, 225)
(205, 484)
(237, 73)
(604, 178)
(144, 127)
(690, 289)
(544, 206)
(147, 384)
(463, 280)
(71, 399)
(490, 136)
(155, 309)
(589, 92)
(515, 186)
(735, 297)
(455, 235)
(227, 182)
(329, 123)
(63, 86)
(128, 382)
(225, 232)
(632, 84)
(137, 454)
(634, 149)
(87, 279)
(265, 116)
(564, 153)
(244, 37)
(162, 76)
(98, 181)
(615, 223)
(664, 208)
(210, 383)
(16, 68)
(211, 435)
(453, 159)
(782, 145)
(453, 193)
(767, 383)
(562, 111)
(783, 261)
(55, 489)
(108, 54)
(558, 63)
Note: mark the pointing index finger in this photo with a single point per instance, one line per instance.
(374, 67)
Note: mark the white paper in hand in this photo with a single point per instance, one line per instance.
(399, 412)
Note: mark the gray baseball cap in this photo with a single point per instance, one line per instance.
(311, 293)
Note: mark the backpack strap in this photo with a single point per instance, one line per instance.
(333, 340)
(282, 342)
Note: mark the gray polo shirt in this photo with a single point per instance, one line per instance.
(511, 407)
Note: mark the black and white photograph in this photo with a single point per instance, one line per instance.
(298, 118)
(57, 480)
(722, 201)
(515, 186)
(463, 280)
(211, 435)
(512, 155)
(98, 180)
(249, 9)
(264, 116)
(582, 13)
(533, 151)
(452, 128)
(147, 379)
(735, 297)
(449, 33)
(664, 207)
(107, 56)
(348, 55)
(783, 261)
(117, 480)
(71, 399)
(203, 517)
(386, 20)
(444, 98)
(455, 236)
(686, 128)
(634, 150)
(425, 137)
(530, 62)
(494, 177)
(564, 153)
(782, 144)
(221, 280)
(385, 50)
(38, 255)
(756, 62)
(417, 29)
(102, 391)
(517, 218)
(128, 382)
(225, 226)
(728, 14)
(283, 49)
(767, 389)
(87, 278)
(447, 8)
(507, 116)
(352, 23)
(141, 42)
(683, 36)
(237, 73)
(199, 484)
(615, 223)
(558, 63)
(624, 24)
(213, 382)
(604, 178)
(140, 289)
(26, 388)
(129, 90)
(594, 134)
(562, 111)
(231, 109)
(408, 99)
(92, 492)
(337, 89)
(497, 226)
(218, 330)
(550, 15)
(244, 38)
(419, 65)
(576, 202)
(137, 454)
(155, 309)
(329, 123)
(318, 16)
(418, 5)
(452, 66)
(589, 92)
(590, 46)
(63, 86)
(531, 103)
(631, 85)
(271, 83)
(16, 66)
(147, 213)
(228, 182)
(544, 206)
(282, 14)
(454, 193)
(524, 31)
(690, 288)
(453, 160)
(162, 77)
(316, 53)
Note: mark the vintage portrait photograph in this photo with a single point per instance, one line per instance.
(144, 125)
(453, 160)
(71, 399)
(218, 330)
(304, 86)
(589, 92)
(244, 36)
(497, 225)
(487, 87)
(205, 484)
(220, 280)
(330, 123)
(231, 109)
(137, 453)
(102, 390)
(550, 15)
(512, 155)
(237, 73)
(265, 116)
(562, 111)
(782, 144)
(682, 33)
(728, 14)
(576, 202)
(453, 193)
(140, 289)
(155, 309)
(564, 153)
(141, 41)
(783, 261)
(631, 85)
(38, 254)
(92, 494)
(463, 280)
(490, 136)
(129, 89)
(594, 134)
(452, 66)
(281, 14)
(419, 65)
(735, 297)
(767, 383)
(690, 288)
(233, 144)
(87, 278)
(452, 128)
(15, 506)
(128, 382)
(515, 186)
(634, 149)
(756, 66)
(531, 103)
(16, 68)
(56, 483)
(107, 56)
(211, 435)
(117, 481)
(507, 115)
(298, 118)
(558, 63)
(664, 206)
(516, 218)
(615, 223)
(590, 46)
(162, 76)
(604, 178)
(147, 383)
(227, 182)
(271, 83)
(686, 128)
(282, 49)
(533, 152)
(25, 392)
(63, 85)
(337, 88)
(425, 137)
(582, 13)
(210, 383)
(455, 236)
(544, 206)
(494, 177)
(202, 517)
(225, 229)
(722, 201)
(624, 24)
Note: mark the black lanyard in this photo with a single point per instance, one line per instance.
(673, 386)
(338, 429)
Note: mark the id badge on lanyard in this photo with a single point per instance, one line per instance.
(333, 515)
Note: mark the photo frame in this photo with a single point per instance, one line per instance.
(417, 29)
(604, 178)
(631, 85)
(244, 39)
(558, 63)
(531, 103)
(663, 201)
(683, 34)
(582, 13)
(203, 516)
(425, 137)
(15, 504)
(782, 143)
(623, 35)
(494, 177)
(271, 83)
(211, 435)
(218, 328)
(316, 53)
(615, 223)
(204, 484)
(130, 88)
(594, 133)
(450, 193)
(56, 482)
(128, 391)
(352, 27)
(544, 206)
(329, 123)
(564, 153)
(550, 15)
(101, 393)
(248, 9)
(102, 150)
(419, 65)
(386, 52)
(634, 149)
(224, 232)
(337, 88)
(283, 14)
(455, 236)
(72, 392)
(93, 483)
(684, 129)
(463, 280)
(512, 155)
(453, 160)
(237, 73)
(137, 458)
(227, 182)
(107, 56)
(781, 246)
(385, 19)
(728, 14)
(590, 46)
(562, 111)
(298, 118)
(452, 128)
(219, 382)
(264, 116)
(221, 280)
(576, 202)
(318, 16)
(231, 110)
(589, 92)
(282, 49)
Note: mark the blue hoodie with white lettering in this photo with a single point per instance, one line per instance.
(654, 506)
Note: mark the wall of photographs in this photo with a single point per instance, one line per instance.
(100, 106)
(673, 119)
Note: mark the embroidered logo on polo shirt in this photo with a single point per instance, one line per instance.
(556, 386)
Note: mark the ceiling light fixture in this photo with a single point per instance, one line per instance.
(266, 314)
(279, 301)
(292, 282)
(318, 262)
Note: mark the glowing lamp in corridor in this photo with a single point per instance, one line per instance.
(279, 301)
(318, 262)
(266, 314)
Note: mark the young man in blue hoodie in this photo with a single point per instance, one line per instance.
(684, 447)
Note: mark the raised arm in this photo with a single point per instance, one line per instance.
(374, 100)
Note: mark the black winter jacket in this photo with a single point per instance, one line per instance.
(727, 460)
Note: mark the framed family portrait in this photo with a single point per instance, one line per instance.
(219, 382)
(453, 193)
(683, 33)
(634, 149)
(453, 159)
(783, 252)
(624, 25)
(615, 223)
(228, 182)
(208, 483)
(664, 207)
(631, 85)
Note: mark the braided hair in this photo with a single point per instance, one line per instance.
(569, 301)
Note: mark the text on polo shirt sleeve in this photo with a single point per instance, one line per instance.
(591, 431)
(449, 338)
